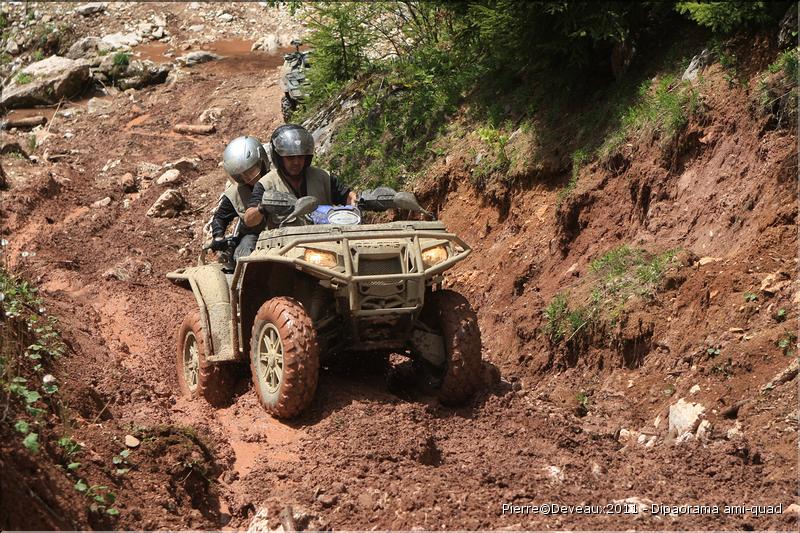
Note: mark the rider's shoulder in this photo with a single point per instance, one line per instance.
(317, 172)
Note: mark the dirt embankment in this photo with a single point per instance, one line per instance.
(569, 424)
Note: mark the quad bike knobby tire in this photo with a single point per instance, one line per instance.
(287, 108)
(284, 357)
(452, 315)
(196, 376)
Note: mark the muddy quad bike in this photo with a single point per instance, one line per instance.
(322, 284)
(293, 80)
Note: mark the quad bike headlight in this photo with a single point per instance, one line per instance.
(320, 258)
(434, 256)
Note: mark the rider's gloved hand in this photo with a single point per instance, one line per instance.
(218, 244)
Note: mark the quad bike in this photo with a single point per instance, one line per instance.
(322, 284)
(293, 80)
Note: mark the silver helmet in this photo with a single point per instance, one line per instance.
(242, 154)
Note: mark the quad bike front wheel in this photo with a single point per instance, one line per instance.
(452, 315)
(198, 377)
(284, 357)
(287, 108)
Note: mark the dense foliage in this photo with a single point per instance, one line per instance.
(417, 62)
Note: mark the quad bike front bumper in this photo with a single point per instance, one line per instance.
(377, 273)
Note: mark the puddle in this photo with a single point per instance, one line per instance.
(237, 56)
(47, 112)
(154, 51)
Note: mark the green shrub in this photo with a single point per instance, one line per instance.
(38, 55)
(121, 59)
(23, 78)
(662, 111)
(729, 16)
(555, 314)
(777, 88)
(579, 158)
(625, 271)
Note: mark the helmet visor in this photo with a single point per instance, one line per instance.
(293, 142)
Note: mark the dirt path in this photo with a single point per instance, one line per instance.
(366, 455)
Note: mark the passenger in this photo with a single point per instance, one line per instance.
(245, 160)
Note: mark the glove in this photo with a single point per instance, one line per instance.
(218, 244)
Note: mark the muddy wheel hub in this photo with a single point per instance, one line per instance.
(270, 358)
(191, 361)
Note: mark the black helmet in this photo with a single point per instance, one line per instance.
(242, 154)
(288, 140)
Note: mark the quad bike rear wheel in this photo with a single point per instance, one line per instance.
(284, 357)
(198, 377)
(452, 315)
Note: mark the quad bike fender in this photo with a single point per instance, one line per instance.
(210, 288)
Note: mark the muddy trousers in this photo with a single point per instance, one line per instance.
(245, 246)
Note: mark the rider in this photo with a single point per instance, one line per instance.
(292, 149)
(245, 160)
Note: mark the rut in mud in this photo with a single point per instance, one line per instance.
(379, 452)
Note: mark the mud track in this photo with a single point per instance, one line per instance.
(367, 454)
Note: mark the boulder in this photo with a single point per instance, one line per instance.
(117, 41)
(271, 42)
(141, 73)
(138, 73)
(51, 80)
(87, 48)
(698, 63)
(167, 205)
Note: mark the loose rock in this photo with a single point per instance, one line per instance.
(167, 205)
(170, 176)
(195, 58)
(102, 203)
(327, 500)
(127, 182)
(90, 9)
(787, 374)
(131, 441)
(684, 417)
(259, 523)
